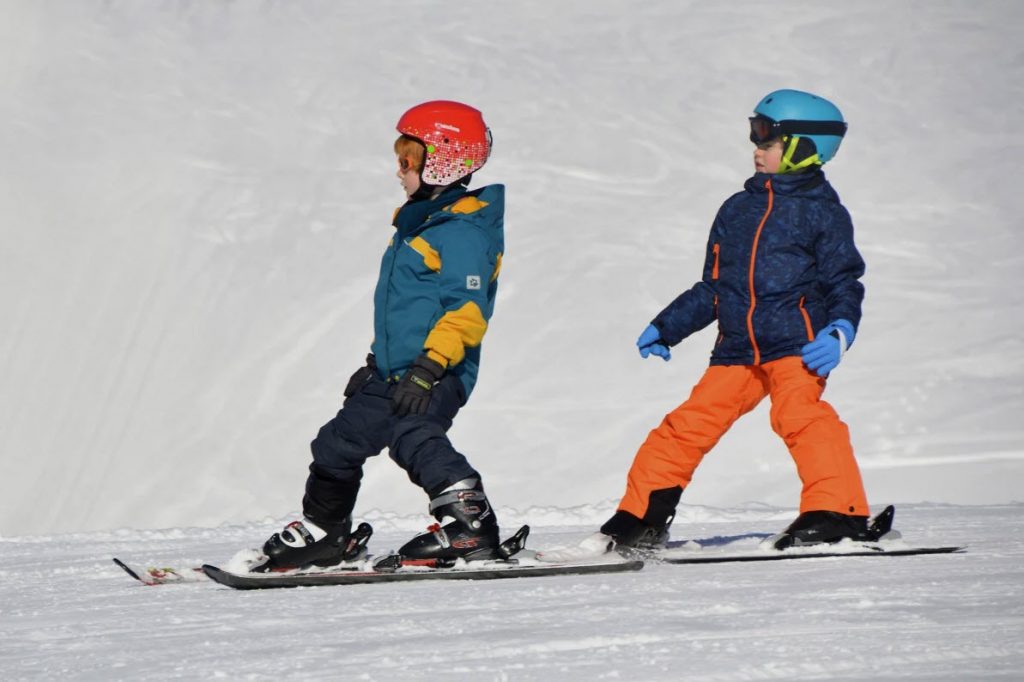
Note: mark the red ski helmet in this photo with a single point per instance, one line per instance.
(456, 138)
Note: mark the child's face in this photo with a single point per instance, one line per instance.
(768, 156)
(409, 177)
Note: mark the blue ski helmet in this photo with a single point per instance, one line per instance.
(802, 115)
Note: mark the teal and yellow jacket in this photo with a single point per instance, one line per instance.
(438, 280)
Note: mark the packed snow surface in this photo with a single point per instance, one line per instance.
(66, 612)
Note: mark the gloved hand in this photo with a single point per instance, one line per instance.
(413, 393)
(826, 351)
(357, 380)
(650, 343)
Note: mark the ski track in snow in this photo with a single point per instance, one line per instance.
(67, 612)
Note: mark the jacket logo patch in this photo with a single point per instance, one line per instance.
(473, 282)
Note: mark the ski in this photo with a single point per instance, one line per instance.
(878, 542)
(803, 553)
(476, 570)
(152, 575)
(396, 568)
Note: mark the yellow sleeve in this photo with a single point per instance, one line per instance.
(454, 332)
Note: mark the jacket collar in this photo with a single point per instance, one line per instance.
(413, 213)
(806, 183)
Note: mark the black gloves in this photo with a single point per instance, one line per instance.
(413, 393)
(362, 374)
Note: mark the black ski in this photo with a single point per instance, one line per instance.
(488, 570)
(872, 544)
(396, 568)
(779, 555)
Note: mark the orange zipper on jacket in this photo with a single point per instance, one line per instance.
(714, 276)
(753, 260)
(807, 320)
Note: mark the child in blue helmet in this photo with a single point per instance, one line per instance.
(781, 278)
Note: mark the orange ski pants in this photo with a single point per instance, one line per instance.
(817, 439)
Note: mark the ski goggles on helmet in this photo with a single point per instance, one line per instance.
(406, 164)
(763, 128)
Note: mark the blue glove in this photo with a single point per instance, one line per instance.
(826, 351)
(648, 344)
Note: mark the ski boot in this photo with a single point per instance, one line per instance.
(637, 538)
(472, 533)
(305, 543)
(822, 527)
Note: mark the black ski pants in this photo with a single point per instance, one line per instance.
(365, 425)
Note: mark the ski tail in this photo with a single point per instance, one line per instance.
(129, 570)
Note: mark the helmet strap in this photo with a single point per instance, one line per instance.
(799, 154)
(425, 191)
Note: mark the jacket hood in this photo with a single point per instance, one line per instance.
(491, 215)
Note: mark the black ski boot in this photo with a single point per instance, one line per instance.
(305, 543)
(821, 527)
(636, 537)
(472, 534)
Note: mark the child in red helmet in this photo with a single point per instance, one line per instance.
(434, 297)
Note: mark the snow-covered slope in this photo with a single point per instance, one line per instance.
(194, 196)
(67, 613)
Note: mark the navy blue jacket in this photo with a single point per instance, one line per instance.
(781, 264)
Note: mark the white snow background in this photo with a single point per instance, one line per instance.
(194, 197)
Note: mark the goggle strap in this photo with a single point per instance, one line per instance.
(773, 128)
(813, 127)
